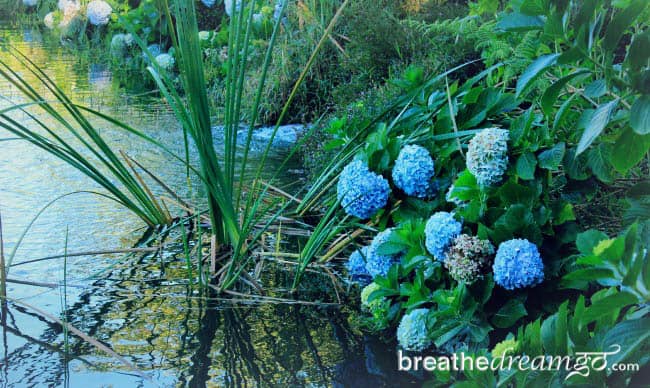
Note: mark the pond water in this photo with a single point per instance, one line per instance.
(139, 304)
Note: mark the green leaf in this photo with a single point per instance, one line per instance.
(551, 94)
(526, 166)
(519, 22)
(571, 55)
(629, 150)
(465, 187)
(598, 160)
(563, 214)
(574, 165)
(596, 89)
(639, 51)
(580, 278)
(607, 307)
(587, 240)
(640, 115)
(534, 70)
(509, 314)
(629, 335)
(621, 22)
(552, 158)
(598, 122)
(562, 112)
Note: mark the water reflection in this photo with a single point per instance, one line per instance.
(140, 305)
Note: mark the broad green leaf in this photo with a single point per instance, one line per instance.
(580, 278)
(548, 333)
(534, 70)
(562, 112)
(598, 159)
(519, 22)
(575, 165)
(621, 21)
(564, 214)
(629, 150)
(552, 158)
(509, 314)
(587, 240)
(551, 94)
(598, 122)
(629, 335)
(639, 51)
(596, 89)
(640, 115)
(534, 7)
(526, 166)
(607, 306)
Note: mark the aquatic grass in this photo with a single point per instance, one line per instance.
(67, 116)
(231, 223)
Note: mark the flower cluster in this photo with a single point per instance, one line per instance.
(120, 43)
(469, 258)
(98, 12)
(412, 333)
(518, 264)
(48, 20)
(356, 265)
(365, 295)
(30, 3)
(208, 3)
(165, 61)
(361, 192)
(487, 157)
(376, 263)
(413, 172)
(440, 231)
(154, 49)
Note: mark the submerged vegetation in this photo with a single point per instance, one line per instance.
(460, 163)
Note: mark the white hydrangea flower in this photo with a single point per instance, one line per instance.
(69, 5)
(48, 20)
(70, 10)
(98, 12)
(166, 61)
(208, 3)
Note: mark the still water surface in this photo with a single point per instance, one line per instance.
(138, 304)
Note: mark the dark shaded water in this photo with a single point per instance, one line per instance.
(140, 305)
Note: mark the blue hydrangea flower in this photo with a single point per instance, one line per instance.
(440, 231)
(413, 172)
(378, 264)
(412, 333)
(361, 192)
(487, 155)
(518, 264)
(356, 266)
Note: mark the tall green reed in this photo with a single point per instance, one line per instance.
(233, 221)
